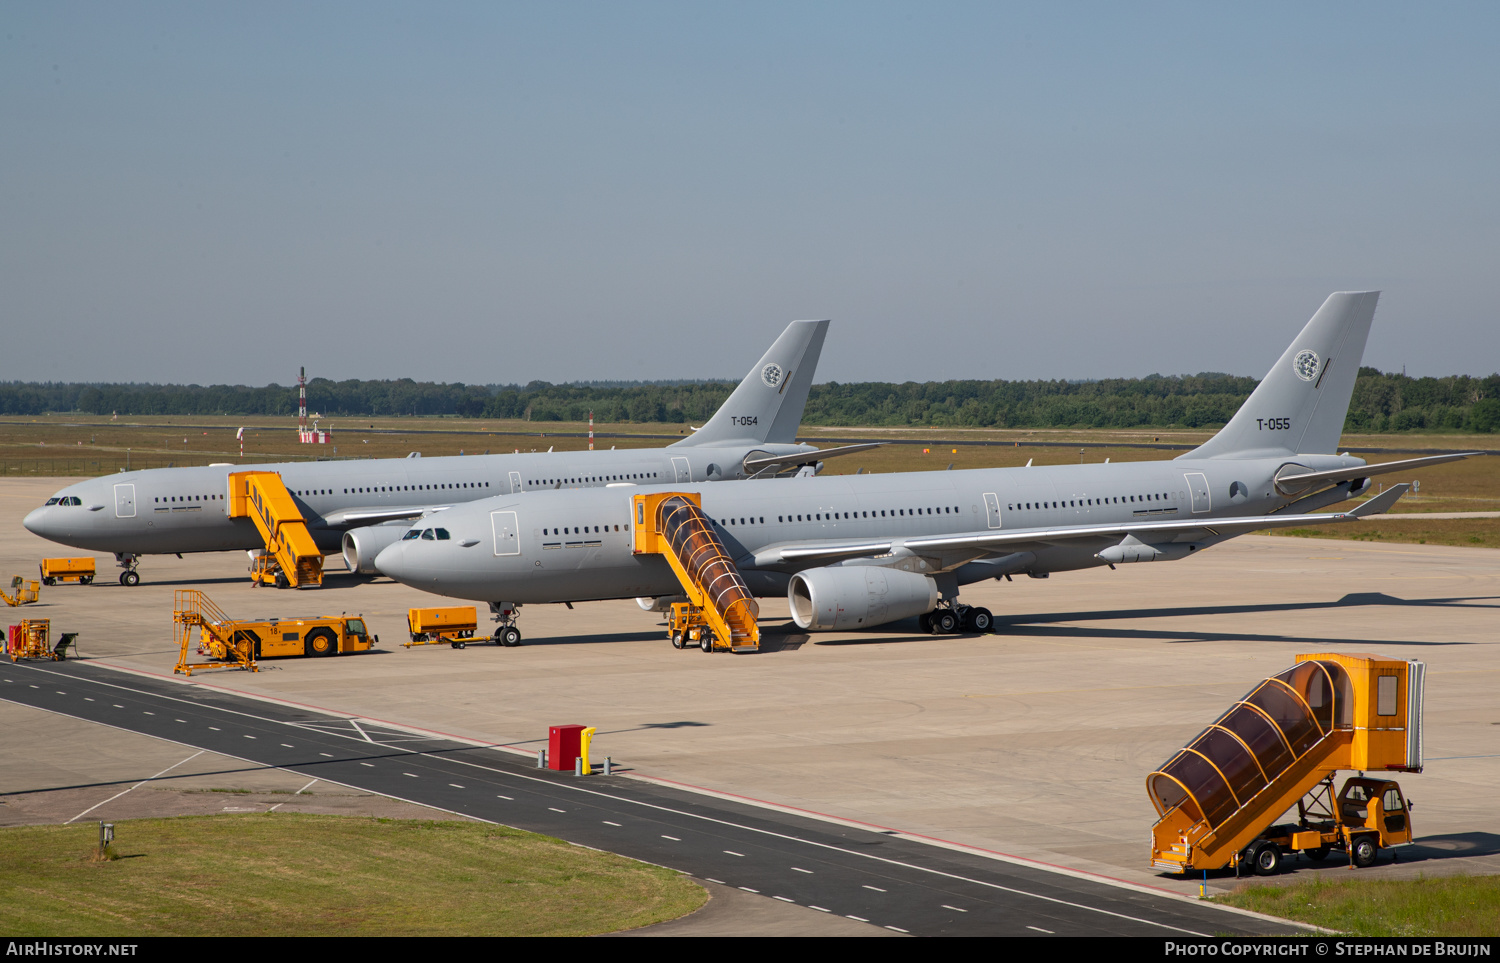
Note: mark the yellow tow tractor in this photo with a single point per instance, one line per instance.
(455, 625)
(231, 643)
(54, 570)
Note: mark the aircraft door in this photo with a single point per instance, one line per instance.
(507, 533)
(515, 482)
(125, 501)
(1198, 489)
(683, 470)
(992, 508)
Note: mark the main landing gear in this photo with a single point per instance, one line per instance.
(128, 562)
(956, 618)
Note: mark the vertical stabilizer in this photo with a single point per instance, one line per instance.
(1300, 405)
(767, 406)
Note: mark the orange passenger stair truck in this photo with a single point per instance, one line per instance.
(1275, 754)
(231, 643)
(720, 614)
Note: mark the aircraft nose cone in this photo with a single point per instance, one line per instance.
(38, 522)
(391, 562)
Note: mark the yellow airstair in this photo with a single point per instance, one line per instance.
(1217, 796)
(720, 613)
(192, 609)
(292, 559)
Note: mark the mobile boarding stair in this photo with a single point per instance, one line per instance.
(720, 613)
(192, 609)
(1218, 796)
(291, 559)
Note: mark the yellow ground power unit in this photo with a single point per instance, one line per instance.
(54, 570)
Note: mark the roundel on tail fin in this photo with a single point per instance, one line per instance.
(1306, 364)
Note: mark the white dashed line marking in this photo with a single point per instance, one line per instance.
(119, 707)
(287, 745)
(214, 728)
(675, 840)
(85, 698)
(898, 929)
(719, 881)
(411, 774)
(749, 890)
(875, 888)
(59, 692)
(249, 737)
(608, 823)
(1040, 930)
(954, 908)
(784, 899)
(733, 853)
(556, 810)
(511, 798)
(455, 785)
(143, 711)
(801, 870)
(819, 909)
(328, 754)
(179, 720)
(857, 919)
(370, 764)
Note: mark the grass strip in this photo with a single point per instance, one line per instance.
(1455, 906)
(292, 874)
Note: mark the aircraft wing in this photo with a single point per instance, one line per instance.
(980, 544)
(355, 517)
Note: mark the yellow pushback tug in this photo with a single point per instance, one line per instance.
(1279, 748)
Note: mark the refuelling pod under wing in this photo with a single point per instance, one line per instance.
(1132, 549)
(857, 597)
(361, 545)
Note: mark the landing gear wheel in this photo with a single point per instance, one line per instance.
(1363, 851)
(980, 620)
(510, 637)
(1316, 855)
(924, 623)
(677, 641)
(1267, 860)
(945, 621)
(130, 578)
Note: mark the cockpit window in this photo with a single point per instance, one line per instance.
(53, 501)
(72, 500)
(414, 533)
(427, 534)
(442, 534)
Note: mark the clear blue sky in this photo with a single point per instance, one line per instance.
(504, 192)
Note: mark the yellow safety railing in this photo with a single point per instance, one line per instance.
(292, 557)
(672, 524)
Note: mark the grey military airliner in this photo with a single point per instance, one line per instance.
(362, 506)
(863, 550)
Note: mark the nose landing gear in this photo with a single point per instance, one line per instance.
(505, 615)
(128, 562)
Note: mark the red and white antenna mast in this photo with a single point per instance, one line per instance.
(591, 431)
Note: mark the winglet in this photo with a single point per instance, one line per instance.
(1381, 503)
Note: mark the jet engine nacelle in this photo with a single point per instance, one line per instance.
(854, 597)
(661, 604)
(361, 545)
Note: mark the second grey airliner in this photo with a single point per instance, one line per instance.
(362, 506)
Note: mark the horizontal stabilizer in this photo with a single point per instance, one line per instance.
(1302, 480)
(762, 462)
(1381, 503)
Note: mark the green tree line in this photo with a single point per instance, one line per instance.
(1382, 402)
